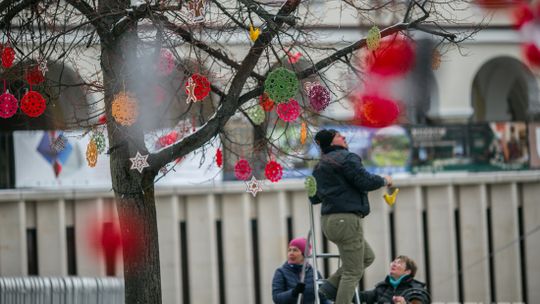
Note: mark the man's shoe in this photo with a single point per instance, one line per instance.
(328, 291)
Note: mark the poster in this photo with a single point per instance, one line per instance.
(534, 145)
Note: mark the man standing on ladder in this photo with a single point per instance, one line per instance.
(342, 186)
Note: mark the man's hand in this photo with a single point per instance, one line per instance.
(399, 300)
(388, 179)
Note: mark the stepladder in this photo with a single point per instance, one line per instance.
(315, 257)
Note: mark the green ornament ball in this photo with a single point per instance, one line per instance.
(256, 114)
(311, 185)
(281, 85)
(99, 139)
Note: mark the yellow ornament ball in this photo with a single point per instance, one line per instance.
(125, 109)
(373, 39)
(91, 153)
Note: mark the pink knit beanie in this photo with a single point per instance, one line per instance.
(299, 243)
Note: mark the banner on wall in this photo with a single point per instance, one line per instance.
(41, 164)
(534, 144)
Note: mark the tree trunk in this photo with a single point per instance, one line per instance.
(134, 191)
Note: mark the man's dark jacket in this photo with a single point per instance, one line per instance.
(408, 288)
(343, 182)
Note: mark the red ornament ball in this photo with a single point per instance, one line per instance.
(33, 104)
(219, 158)
(393, 57)
(202, 86)
(266, 102)
(288, 111)
(273, 171)
(532, 54)
(8, 105)
(242, 169)
(34, 76)
(522, 14)
(319, 97)
(8, 56)
(376, 112)
(167, 140)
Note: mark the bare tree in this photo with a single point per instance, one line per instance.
(129, 36)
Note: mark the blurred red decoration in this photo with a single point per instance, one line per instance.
(102, 119)
(167, 140)
(266, 102)
(294, 58)
(395, 56)
(8, 56)
(8, 105)
(34, 75)
(201, 87)
(219, 158)
(159, 94)
(532, 54)
(288, 111)
(319, 97)
(33, 104)
(496, 4)
(166, 62)
(106, 238)
(273, 171)
(242, 169)
(376, 112)
(522, 14)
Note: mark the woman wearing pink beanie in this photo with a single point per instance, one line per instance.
(286, 285)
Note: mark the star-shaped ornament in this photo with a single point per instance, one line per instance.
(190, 88)
(139, 162)
(253, 186)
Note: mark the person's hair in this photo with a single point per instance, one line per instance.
(410, 264)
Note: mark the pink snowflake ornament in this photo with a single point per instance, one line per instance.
(8, 105)
(273, 171)
(288, 111)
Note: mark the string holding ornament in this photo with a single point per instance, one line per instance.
(242, 169)
(281, 85)
(125, 109)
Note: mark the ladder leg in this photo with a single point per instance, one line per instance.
(314, 254)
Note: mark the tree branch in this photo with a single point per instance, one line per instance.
(230, 103)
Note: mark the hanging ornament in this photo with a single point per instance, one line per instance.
(196, 10)
(319, 97)
(253, 186)
(294, 58)
(390, 199)
(256, 114)
(266, 102)
(436, 59)
(33, 104)
(125, 109)
(373, 39)
(288, 111)
(139, 162)
(393, 57)
(311, 185)
(8, 105)
(219, 158)
(532, 54)
(197, 88)
(167, 140)
(254, 33)
(91, 153)
(34, 75)
(99, 140)
(242, 169)
(273, 171)
(281, 85)
(166, 62)
(303, 133)
(8, 56)
(42, 65)
(522, 15)
(376, 112)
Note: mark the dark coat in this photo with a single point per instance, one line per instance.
(343, 183)
(286, 278)
(408, 288)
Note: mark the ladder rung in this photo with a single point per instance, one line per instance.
(325, 255)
